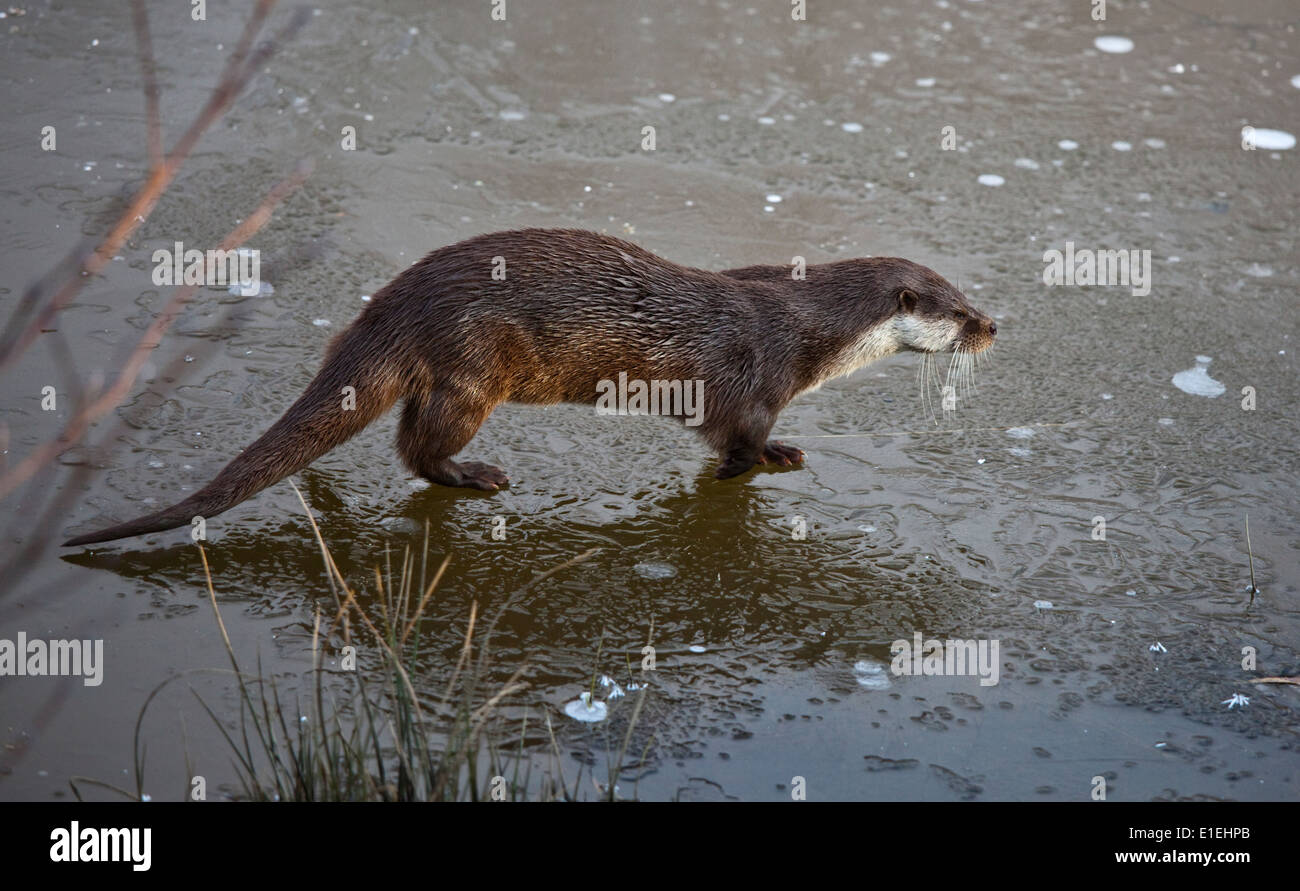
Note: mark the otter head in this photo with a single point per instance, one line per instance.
(879, 306)
(931, 316)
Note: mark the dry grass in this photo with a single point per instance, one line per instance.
(368, 734)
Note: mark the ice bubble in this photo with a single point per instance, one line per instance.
(1197, 381)
(1270, 140)
(655, 570)
(583, 709)
(1113, 44)
(871, 675)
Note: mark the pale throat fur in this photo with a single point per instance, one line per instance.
(892, 335)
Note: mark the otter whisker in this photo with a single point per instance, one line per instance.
(950, 381)
(937, 378)
(924, 374)
(921, 380)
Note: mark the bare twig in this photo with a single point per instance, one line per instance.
(109, 399)
(149, 71)
(1251, 555)
(238, 73)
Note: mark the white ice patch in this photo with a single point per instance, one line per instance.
(925, 81)
(1042, 604)
(1021, 432)
(1197, 381)
(1067, 145)
(697, 648)
(1026, 163)
(1112, 44)
(871, 675)
(990, 179)
(879, 58)
(583, 709)
(851, 127)
(1120, 145)
(264, 289)
(655, 570)
(512, 115)
(1259, 270)
(1271, 140)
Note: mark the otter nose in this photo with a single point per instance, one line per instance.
(993, 328)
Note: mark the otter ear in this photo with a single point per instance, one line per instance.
(907, 300)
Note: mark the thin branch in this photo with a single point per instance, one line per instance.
(110, 398)
(149, 71)
(231, 85)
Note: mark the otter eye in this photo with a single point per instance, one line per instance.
(907, 300)
(960, 315)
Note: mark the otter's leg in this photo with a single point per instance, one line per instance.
(779, 453)
(438, 425)
(741, 442)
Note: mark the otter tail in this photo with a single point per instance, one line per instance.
(326, 415)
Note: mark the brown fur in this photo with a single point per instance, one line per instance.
(574, 308)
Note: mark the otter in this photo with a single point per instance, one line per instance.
(545, 315)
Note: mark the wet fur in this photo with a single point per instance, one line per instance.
(576, 307)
